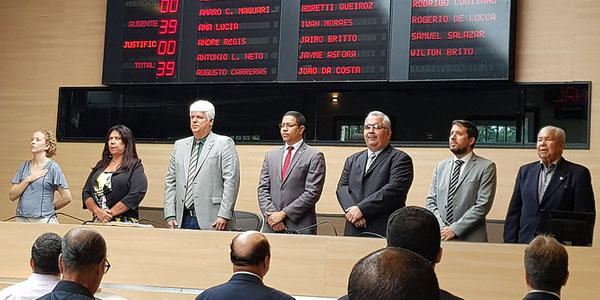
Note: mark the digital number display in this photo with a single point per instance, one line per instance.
(198, 41)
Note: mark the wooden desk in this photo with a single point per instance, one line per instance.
(300, 265)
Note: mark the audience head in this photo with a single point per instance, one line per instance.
(546, 264)
(550, 144)
(119, 141)
(393, 273)
(44, 140)
(463, 137)
(250, 251)
(378, 130)
(44, 254)
(292, 127)
(202, 117)
(84, 257)
(416, 229)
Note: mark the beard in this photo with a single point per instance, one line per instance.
(460, 151)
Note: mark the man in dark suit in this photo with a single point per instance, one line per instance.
(552, 184)
(463, 187)
(416, 229)
(374, 182)
(291, 180)
(251, 258)
(546, 268)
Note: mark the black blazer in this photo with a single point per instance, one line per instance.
(570, 189)
(243, 286)
(540, 296)
(379, 191)
(128, 187)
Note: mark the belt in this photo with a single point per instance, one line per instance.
(189, 212)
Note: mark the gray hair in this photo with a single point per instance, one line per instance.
(559, 132)
(82, 247)
(386, 120)
(203, 106)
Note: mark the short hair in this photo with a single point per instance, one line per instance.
(546, 263)
(203, 106)
(300, 119)
(44, 252)
(386, 120)
(472, 131)
(82, 248)
(416, 229)
(256, 255)
(559, 132)
(50, 141)
(393, 273)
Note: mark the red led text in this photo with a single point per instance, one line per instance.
(139, 44)
(142, 24)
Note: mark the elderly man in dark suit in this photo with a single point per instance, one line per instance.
(546, 268)
(291, 180)
(550, 184)
(251, 258)
(374, 182)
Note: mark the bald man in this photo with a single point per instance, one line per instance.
(83, 263)
(251, 257)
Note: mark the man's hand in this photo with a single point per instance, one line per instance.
(172, 224)
(353, 214)
(362, 222)
(447, 233)
(279, 227)
(220, 224)
(275, 217)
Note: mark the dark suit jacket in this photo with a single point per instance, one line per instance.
(68, 290)
(298, 192)
(379, 191)
(570, 189)
(540, 296)
(243, 286)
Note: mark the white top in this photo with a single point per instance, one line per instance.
(285, 150)
(466, 159)
(34, 287)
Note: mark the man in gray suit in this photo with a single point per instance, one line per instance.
(203, 177)
(463, 188)
(374, 182)
(291, 180)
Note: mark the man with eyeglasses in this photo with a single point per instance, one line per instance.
(291, 180)
(83, 263)
(374, 182)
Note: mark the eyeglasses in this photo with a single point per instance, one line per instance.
(106, 266)
(376, 126)
(288, 125)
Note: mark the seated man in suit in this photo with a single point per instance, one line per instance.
(251, 258)
(83, 263)
(374, 182)
(463, 187)
(44, 263)
(392, 274)
(291, 180)
(546, 268)
(550, 184)
(416, 229)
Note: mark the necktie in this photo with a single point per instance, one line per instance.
(189, 191)
(370, 161)
(286, 162)
(452, 190)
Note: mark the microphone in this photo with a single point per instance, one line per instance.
(298, 231)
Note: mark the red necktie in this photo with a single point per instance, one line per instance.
(286, 162)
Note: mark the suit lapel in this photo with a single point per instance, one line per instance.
(381, 157)
(187, 151)
(470, 164)
(533, 183)
(208, 144)
(560, 175)
(295, 159)
(279, 162)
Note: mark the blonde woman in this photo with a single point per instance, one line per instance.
(36, 181)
